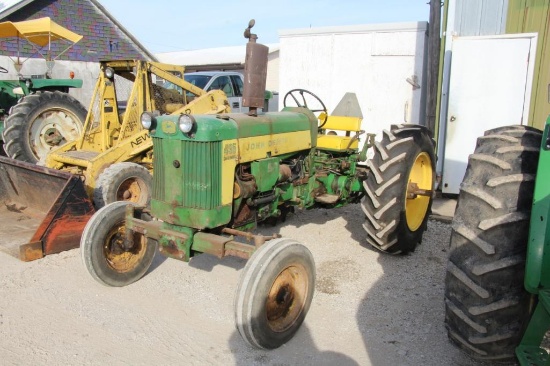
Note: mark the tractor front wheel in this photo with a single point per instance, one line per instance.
(274, 293)
(399, 189)
(108, 258)
(486, 305)
(41, 122)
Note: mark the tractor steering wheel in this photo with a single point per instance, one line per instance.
(3, 70)
(300, 101)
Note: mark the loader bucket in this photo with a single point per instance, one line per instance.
(42, 210)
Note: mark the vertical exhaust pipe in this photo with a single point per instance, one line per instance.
(255, 72)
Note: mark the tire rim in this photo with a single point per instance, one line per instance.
(287, 298)
(132, 190)
(118, 258)
(53, 127)
(421, 174)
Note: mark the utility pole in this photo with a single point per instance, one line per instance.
(434, 43)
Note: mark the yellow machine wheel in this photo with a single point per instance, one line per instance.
(420, 179)
(399, 189)
(124, 181)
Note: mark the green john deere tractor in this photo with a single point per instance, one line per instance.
(216, 176)
(36, 112)
(497, 293)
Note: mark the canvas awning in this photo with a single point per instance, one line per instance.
(40, 31)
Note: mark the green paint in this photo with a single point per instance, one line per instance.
(537, 274)
(191, 217)
(537, 269)
(56, 84)
(187, 173)
(532, 16)
(266, 172)
(170, 240)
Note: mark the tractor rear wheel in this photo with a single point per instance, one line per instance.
(486, 305)
(399, 188)
(274, 293)
(41, 122)
(104, 253)
(124, 181)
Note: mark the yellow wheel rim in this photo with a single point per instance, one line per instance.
(117, 257)
(421, 175)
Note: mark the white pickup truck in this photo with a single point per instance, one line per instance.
(231, 83)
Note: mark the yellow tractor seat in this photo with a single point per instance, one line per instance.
(335, 142)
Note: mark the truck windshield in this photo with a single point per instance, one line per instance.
(197, 80)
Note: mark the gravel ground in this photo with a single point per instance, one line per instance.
(369, 308)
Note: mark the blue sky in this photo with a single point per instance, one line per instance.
(168, 25)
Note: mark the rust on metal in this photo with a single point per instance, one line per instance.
(255, 72)
(31, 251)
(414, 191)
(51, 206)
(170, 249)
(257, 239)
(241, 250)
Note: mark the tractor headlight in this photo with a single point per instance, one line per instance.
(147, 120)
(186, 123)
(109, 73)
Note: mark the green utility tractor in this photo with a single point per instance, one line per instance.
(36, 112)
(497, 288)
(216, 176)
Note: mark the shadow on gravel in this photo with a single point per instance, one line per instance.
(401, 317)
(301, 350)
(206, 262)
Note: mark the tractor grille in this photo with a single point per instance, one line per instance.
(197, 181)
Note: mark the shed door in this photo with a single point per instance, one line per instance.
(490, 86)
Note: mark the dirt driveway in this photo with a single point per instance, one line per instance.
(369, 308)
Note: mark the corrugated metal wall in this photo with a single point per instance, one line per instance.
(525, 16)
(480, 17)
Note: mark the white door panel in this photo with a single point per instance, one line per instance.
(489, 87)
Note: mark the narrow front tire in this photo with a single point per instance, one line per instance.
(274, 293)
(103, 252)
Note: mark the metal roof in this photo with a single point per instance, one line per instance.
(233, 55)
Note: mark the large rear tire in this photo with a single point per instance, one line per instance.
(124, 181)
(395, 208)
(103, 252)
(274, 293)
(487, 306)
(41, 122)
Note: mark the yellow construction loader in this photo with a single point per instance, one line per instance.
(112, 159)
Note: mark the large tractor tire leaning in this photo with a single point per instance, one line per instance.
(487, 307)
(41, 122)
(399, 189)
(105, 254)
(123, 182)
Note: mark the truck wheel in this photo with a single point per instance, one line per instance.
(123, 182)
(487, 307)
(398, 189)
(41, 122)
(103, 252)
(274, 293)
